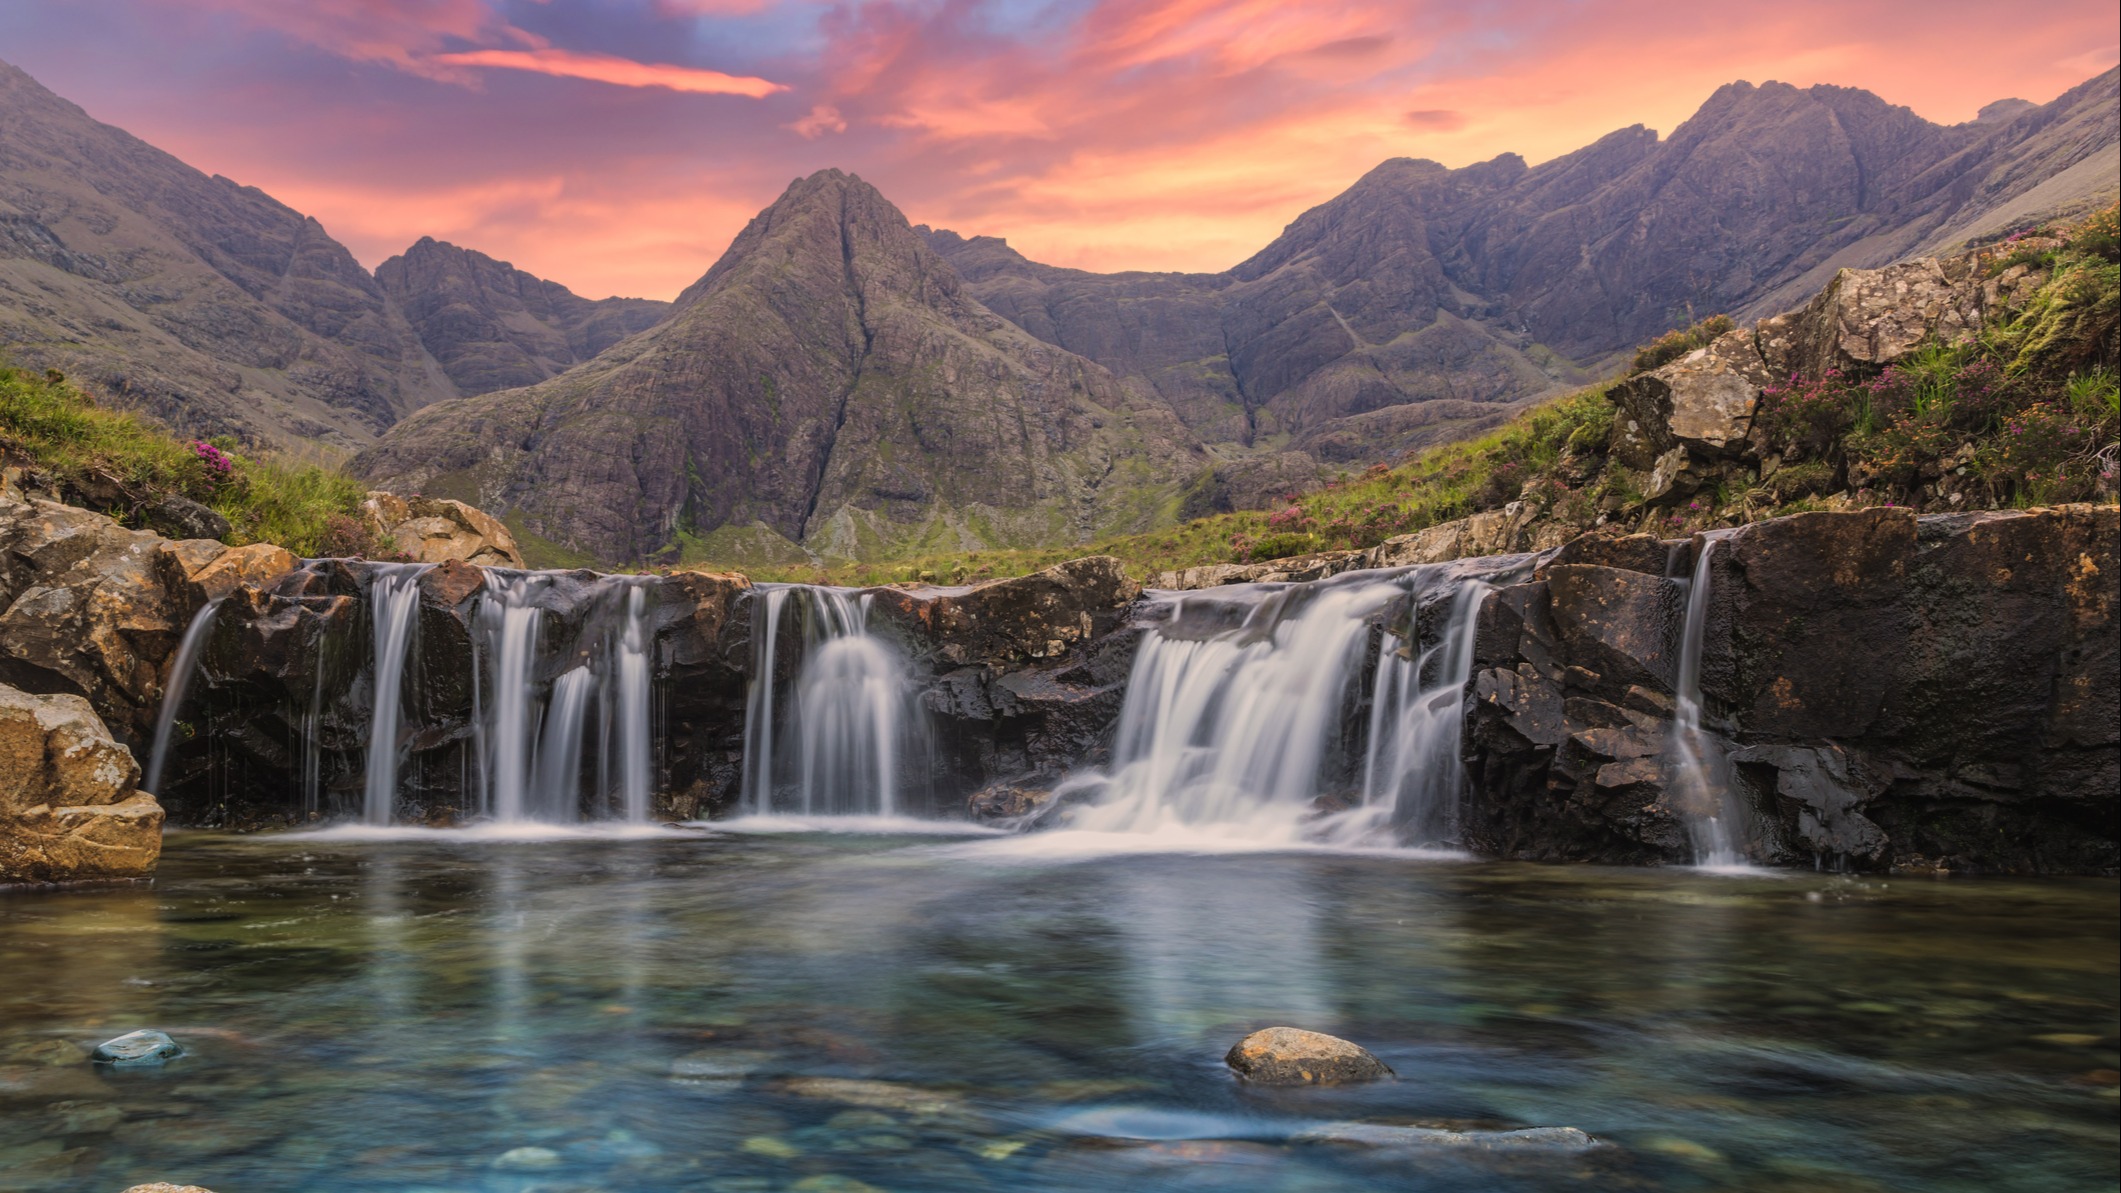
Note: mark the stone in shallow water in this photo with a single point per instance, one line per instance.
(1292, 1056)
(1555, 1139)
(527, 1159)
(137, 1048)
(166, 1187)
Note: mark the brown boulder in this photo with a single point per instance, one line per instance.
(86, 607)
(68, 806)
(1293, 1056)
(436, 530)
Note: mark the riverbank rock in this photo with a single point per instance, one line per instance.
(435, 530)
(1293, 1056)
(166, 1187)
(68, 807)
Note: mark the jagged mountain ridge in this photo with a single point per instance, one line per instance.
(492, 326)
(206, 303)
(1426, 297)
(827, 382)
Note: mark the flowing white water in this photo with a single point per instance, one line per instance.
(510, 626)
(394, 610)
(1412, 771)
(1233, 734)
(636, 749)
(1700, 773)
(846, 733)
(173, 693)
(534, 739)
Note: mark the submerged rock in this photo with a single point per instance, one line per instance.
(142, 1047)
(166, 1187)
(68, 806)
(1292, 1056)
(527, 1159)
(1552, 1139)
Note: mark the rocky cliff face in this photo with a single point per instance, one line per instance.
(492, 326)
(1415, 305)
(1886, 691)
(199, 300)
(829, 383)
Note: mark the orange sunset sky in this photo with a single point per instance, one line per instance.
(617, 145)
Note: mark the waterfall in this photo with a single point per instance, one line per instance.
(1411, 771)
(852, 719)
(509, 626)
(173, 692)
(394, 610)
(1700, 774)
(533, 734)
(636, 752)
(1237, 731)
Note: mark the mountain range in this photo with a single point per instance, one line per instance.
(845, 383)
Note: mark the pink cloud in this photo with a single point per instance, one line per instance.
(621, 72)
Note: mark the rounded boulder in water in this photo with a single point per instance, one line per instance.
(137, 1048)
(1293, 1056)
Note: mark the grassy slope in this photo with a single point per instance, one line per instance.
(120, 463)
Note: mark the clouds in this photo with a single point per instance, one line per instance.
(617, 145)
(607, 68)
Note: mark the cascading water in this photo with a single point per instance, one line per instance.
(1411, 771)
(849, 728)
(394, 610)
(1695, 758)
(533, 734)
(509, 625)
(1234, 732)
(173, 693)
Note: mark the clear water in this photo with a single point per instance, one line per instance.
(817, 1012)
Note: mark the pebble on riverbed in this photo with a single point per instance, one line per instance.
(1293, 1056)
(1556, 1139)
(137, 1048)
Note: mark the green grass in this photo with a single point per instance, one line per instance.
(123, 463)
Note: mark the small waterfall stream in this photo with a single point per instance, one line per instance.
(1236, 731)
(1701, 774)
(173, 692)
(533, 734)
(394, 613)
(839, 747)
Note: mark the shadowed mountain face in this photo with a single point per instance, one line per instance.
(1422, 300)
(492, 326)
(827, 382)
(206, 303)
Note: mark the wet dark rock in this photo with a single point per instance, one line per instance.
(1293, 1056)
(1007, 801)
(142, 1047)
(1890, 691)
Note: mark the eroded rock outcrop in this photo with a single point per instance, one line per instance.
(1889, 691)
(69, 809)
(90, 608)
